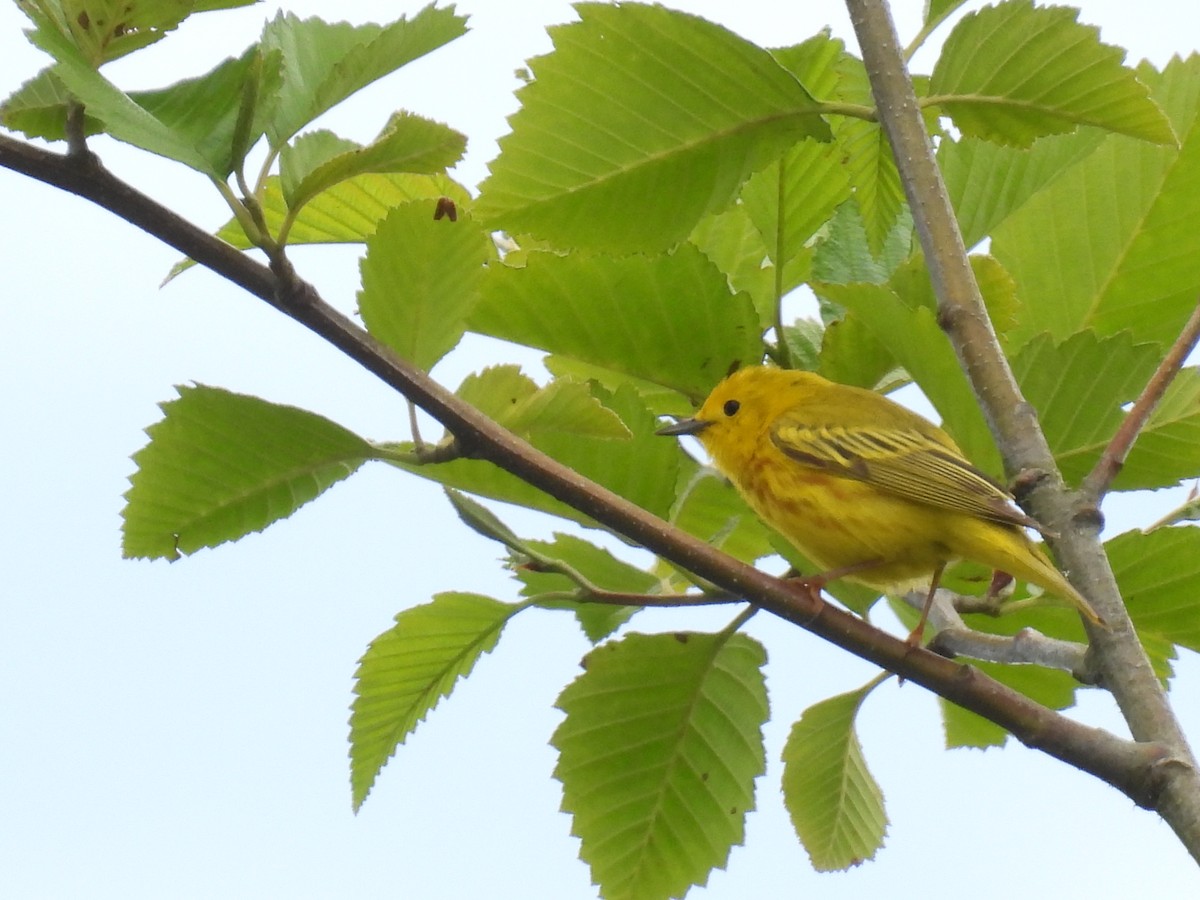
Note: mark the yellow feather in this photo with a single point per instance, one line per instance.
(856, 480)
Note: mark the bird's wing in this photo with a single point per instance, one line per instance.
(901, 461)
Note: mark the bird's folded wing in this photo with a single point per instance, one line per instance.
(903, 462)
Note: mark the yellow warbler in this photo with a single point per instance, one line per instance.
(866, 489)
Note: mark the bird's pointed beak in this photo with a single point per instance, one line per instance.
(683, 426)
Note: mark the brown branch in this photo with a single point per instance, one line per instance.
(1137, 769)
(1123, 663)
(1098, 481)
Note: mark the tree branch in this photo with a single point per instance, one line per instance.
(1097, 482)
(1122, 661)
(1137, 769)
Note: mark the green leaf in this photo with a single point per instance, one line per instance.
(408, 143)
(661, 401)
(325, 63)
(563, 406)
(642, 468)
(989, 182)
(124, 119)
(347, 213)
(221, 465)
(1078, 388)
(1168, 449)
(211, 111)
(596, 159)
(791, 199)
(599, 567)
(408, 669)
(1049, 687)
(852, 353)
(835, 804)
(844, 256)
(668, 319)
(1014, 72)
(658, 755)
(38, 109)
(732, 243)
(420, 279)
(709, 507)
(864, 151)
(482, 520)
(1110, 244)
(105, 30)
(1157, 574)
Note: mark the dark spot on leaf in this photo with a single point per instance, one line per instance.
(681, 637)
(445, 209)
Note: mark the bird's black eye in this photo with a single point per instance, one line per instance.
(731, 407)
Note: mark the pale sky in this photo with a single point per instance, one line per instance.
(180, 730)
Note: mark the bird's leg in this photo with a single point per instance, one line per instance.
(914, 636)
(1000, 580)
(814, 584)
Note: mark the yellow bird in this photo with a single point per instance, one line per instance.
(865, 488)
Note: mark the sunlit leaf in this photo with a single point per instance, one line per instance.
(669, 319)
(835, 804)
(658, 754)
(1014, 72)
(420, 280)
(596, 159)
(408, 669)
(221, 465)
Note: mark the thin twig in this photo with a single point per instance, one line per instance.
(1098, 481)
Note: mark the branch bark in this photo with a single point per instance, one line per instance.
(1121, 660)
(1136, 768)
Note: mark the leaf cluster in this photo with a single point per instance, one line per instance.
(674, 200)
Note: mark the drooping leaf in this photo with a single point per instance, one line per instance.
(223, 112)
(596, 159)
(325, 63)
(658, 755)
(409, 143)
(669, 319)
(221, 465)
(791, 199)
(1014, 72)
(835, 805)
(408, 669)
(730, 240)
(420, 279)
(482, 520)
